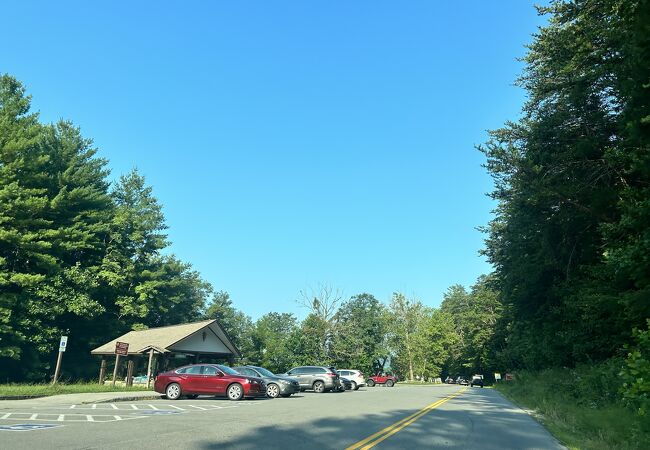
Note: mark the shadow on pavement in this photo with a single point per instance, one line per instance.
(480, 420)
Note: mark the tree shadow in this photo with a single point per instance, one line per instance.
(481, 420)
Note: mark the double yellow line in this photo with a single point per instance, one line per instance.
(387, 432)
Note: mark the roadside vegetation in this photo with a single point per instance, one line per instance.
(582, 406)
(41, 390)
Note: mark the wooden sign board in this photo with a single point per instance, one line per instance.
(122, 348)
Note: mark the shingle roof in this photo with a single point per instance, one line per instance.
(161, 338)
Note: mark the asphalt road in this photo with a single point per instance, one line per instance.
(402, 417)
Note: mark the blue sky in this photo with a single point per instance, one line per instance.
(291, 143)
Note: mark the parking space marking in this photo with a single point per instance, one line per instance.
(95, 418)
(198, 407)
(28, 427)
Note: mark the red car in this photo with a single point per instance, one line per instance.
(388, 380)
(209, 379)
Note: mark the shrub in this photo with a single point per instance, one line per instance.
(636, 372)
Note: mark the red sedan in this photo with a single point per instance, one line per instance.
(208, 379)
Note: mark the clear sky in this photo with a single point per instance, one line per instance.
(291, 143)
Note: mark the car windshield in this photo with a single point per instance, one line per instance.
(264, 372)
(228, 370)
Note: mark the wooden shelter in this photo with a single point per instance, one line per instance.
(197, 339)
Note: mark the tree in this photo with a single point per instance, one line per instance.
(237, 325)
(55, 211)
(406, 333)
(271, 339)
(360, 332)
(569, 240)
(475, 316)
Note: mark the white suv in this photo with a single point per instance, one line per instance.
(355, 376)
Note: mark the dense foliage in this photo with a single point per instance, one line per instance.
(570, 239)
(76, 256)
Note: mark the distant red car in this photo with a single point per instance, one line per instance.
(388, 380)
(208, 379)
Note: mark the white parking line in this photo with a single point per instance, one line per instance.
(198, 407)
(94, 406)
(153, 407)
(134, 407)
(114, 406)
(95, 418)
(176, 407)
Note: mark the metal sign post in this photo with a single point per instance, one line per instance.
(121, 348)
(63, 343)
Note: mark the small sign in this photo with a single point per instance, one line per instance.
(28, 426)
(63, 343)
(122, 348)
(509, 377)
(497, 376)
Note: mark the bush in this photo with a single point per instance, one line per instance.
(636, 373)
(582, 406)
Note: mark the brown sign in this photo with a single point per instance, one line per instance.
(122, 348)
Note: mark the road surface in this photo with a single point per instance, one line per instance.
(402, 417)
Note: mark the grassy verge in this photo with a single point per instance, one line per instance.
(580, 407)
(40, 390)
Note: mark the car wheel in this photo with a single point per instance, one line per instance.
(273, 390)
(319, 387)
(371, 383)
(235, 391)
(354, 386)
(390, 383)
(173, 391)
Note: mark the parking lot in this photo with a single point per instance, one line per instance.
(399, 417)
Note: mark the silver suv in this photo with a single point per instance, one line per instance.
(318, 378)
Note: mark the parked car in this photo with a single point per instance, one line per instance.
(355, 376)
(449, 380)
(276, 385)
(387, 379)
(477, 380)
(208, 379)
(317, 378)
(462, 381)
(345, 384)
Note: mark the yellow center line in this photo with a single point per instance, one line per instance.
(381, 435)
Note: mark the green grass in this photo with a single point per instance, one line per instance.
(39, 390)
(580, 407)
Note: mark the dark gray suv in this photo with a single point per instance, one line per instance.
(317, 378)
(276, 385)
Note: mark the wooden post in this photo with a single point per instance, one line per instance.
(102, 371)
(117, 363)
(58, 367)
(149, 368)
(129, 372)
